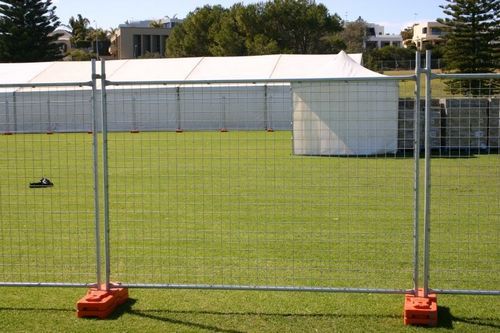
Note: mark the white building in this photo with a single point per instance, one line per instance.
(428, 33)
(377, 38)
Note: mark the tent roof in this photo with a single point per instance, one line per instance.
(281, 67)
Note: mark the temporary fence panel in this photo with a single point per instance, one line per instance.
(47, 232)
(309, 184)
(465, 189)
(240, 210)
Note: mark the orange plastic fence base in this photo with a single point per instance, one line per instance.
(420, 310)
(101, 303)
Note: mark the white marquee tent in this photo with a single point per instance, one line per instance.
(329, 117)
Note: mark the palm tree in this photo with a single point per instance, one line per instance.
(156, 24)
(80, 30)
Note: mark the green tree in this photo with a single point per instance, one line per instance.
(395, 56)
(407, 33)
(26, 31)
(299, 25)
(228, 37)
(80, 31)
(156, 24)
(472, 42)
(278, 26)
(354, 36)
(195, 35)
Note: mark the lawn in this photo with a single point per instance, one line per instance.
(239, 208)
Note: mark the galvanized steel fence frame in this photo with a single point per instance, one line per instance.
(102, 195)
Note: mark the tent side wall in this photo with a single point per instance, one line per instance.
(279, 106)
(41, 111)
(7, 113)
(142, 109)
(345, 118)
(232, 107)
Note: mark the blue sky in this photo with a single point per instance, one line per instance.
(393, 14)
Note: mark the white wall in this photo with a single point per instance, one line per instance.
(345, 118)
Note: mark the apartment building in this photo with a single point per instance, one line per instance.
(377, 38)
(135, 39)
(428, 33)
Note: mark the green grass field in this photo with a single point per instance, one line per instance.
(239, 208)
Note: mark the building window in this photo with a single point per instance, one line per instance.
(384, 44)
(436, 31)
(370, 45)
(397, 44)
(147, 43)
(137, 46)
(155, 48)
(370, 31)
(424, 30)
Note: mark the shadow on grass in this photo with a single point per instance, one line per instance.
(446, 320)
(155, 315)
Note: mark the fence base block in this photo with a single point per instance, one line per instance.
(420, 310)
(101, 303)
(179, 130)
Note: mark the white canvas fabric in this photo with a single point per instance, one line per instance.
(286, 66)
(320, 125)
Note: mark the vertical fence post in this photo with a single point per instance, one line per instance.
(96, 176)
(416, 155)
(178, 123)
(104, 125)
(49, 119)
(135, 128)
(427, 213)
(7, 117)
(14, 110)
(421, 307)
(97, 302)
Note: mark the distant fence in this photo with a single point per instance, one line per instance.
(457, 122)
(403, 65)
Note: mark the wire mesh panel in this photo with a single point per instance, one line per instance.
(465, 187)
(243, 207)
(46, 186)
